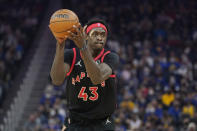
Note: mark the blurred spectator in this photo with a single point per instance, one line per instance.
(188, 108)
(191, 127)
(134, 123)
(167, 98)
(175, 111)
(18, 25)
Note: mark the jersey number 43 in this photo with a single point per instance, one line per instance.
(83, 95)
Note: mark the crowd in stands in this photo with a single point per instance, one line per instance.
(19, 22)
(157, 75)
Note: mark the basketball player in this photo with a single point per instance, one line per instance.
(89, 70)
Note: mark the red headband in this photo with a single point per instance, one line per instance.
(95, 25)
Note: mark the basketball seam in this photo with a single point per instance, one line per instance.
(62, 21)
(70, 13)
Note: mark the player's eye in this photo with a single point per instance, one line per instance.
(94, 34)
(103, 34)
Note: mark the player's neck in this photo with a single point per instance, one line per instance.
(94, 53)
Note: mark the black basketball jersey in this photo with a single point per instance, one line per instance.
(84, 98)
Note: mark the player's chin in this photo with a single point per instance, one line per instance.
(99, 46)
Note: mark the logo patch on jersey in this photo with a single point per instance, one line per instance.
(78, 63)
(98, 62)
(108, 121)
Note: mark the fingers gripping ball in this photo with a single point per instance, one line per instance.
(62, 21)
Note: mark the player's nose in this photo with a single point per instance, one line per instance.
(99, 38)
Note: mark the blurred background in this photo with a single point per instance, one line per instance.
(157, 76)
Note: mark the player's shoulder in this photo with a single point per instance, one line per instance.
(70, 51)
(110, 55)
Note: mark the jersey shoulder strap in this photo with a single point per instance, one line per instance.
(104, 54)
(73, 62)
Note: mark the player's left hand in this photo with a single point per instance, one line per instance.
(78, 37)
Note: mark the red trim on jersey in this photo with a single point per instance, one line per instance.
(113, 76)
(101, 53)
(73, 62)
(104, 55)
(96, 58)
(80, 54)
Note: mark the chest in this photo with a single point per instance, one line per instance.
(79, 74)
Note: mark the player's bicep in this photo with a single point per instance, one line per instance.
(110, 63)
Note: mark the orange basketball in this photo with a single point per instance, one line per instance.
(62, 21)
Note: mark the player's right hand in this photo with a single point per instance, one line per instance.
(78, 37)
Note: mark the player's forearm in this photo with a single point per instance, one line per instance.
(57, 71)
(92, 68)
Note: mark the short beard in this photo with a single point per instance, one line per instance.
(97, 51)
